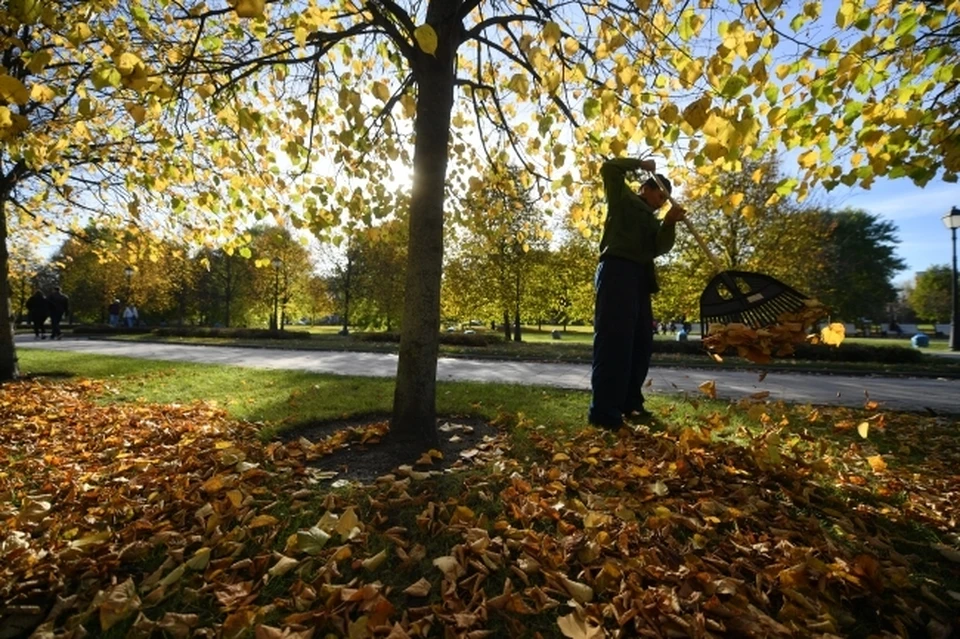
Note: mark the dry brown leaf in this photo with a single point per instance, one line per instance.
(420, 588)
(709, 388)
(577, 626)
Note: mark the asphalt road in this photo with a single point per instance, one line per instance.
(918, 394)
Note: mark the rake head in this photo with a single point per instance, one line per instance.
(753, 299)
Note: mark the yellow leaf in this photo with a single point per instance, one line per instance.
(709, 389)
(137, 112)
(41, 93)
(877, 464)
(736, 199)
(380, 91)
(409, 105)
(248, 8)
(12, 90)
(520, 84)
(833, 334)
(263, 520)
(864, 429)
(551, 33)
(426, 38)
(348, 524)
(39, 61)
(808, 159)
(374, 562)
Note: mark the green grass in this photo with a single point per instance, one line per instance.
(282, 398)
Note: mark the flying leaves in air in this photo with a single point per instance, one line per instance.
(776, 340)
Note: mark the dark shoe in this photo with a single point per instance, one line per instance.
(613, 428)
(640, 416)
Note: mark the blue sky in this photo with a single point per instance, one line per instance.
(924, 240)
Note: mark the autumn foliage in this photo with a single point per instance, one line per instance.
(149, 518)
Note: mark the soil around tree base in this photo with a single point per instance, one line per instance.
(462, 438)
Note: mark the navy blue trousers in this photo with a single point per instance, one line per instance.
(622, 338)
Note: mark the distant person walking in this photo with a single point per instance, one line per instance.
(130, 315)
(114, 312)
(59, 305)
(37, 310)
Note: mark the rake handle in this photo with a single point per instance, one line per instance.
(693, 231)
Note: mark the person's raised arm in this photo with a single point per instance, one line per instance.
(614, 172)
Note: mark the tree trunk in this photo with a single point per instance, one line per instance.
(414, 400)
(506, 325)
(8, 350)
(227, 292)
(516, 311)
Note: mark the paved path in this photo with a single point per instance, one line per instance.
(940, 395)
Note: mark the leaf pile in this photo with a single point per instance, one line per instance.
(777, 340)
(176, 519)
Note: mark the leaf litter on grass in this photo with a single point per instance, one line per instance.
(176, 519)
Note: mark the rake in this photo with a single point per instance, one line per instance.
(753, 299)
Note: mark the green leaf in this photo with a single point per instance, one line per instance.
(591, 108)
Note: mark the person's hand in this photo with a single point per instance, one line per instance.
(648, 165)
(675, 214)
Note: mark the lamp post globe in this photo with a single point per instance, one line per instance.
(952, 221)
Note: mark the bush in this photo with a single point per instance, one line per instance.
(235, 333)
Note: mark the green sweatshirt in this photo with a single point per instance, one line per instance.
(632, 229)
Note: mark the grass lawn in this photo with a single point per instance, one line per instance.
(134, 497)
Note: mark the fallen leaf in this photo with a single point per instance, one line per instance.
(374, 562)
(864, 429)
(576, 626)
(709, 389)
(420, 588)
(877, 464)
(121, 602)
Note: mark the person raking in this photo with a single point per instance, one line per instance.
(633, 235)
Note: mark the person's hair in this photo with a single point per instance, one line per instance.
(651, 183)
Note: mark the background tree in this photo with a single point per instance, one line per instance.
(379, 273)
(929, 297)
(861, 264)
(503, 231)
(288, 280)
(224, 285)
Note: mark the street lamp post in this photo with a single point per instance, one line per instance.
(952, 221)
(128, 272)
(276, 263)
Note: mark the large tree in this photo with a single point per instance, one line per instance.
(860, 263)
(370, 81)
